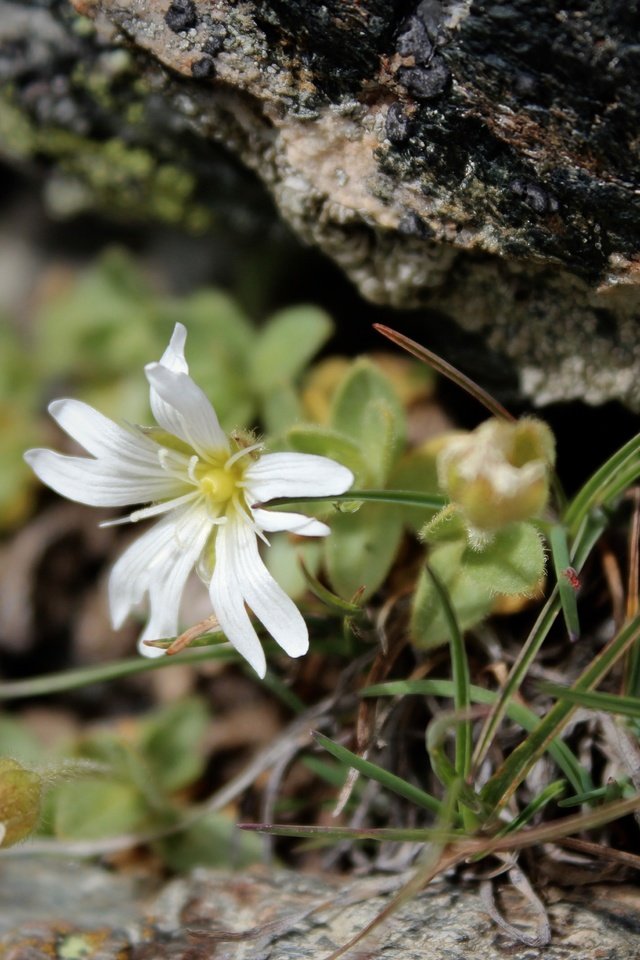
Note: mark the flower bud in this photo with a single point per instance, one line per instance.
(20, 792)
(499, 473)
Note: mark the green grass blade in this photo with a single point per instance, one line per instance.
(562, 566)
(594, 700)
(344, 608)
(501, 786)
(611, 791)
(460, 676)
(589, 532)
(527, 719)
(592, 494)
(550, 792)
(406, 498)
(381, 834)
(380, 775)
(83, 676)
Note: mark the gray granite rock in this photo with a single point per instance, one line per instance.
(78, 912)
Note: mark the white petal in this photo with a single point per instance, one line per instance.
(98, 484)
(272, 521)
(296, 475)
(158, 563)
(102, 437)
(271, 605)
(228, 603)
(184, 410)
(173, 358)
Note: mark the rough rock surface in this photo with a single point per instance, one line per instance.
(475, 158)
(96, 915)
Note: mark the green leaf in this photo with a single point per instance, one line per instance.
(286, 344)
(172, 741)
(280, 409)
(416, 471)
(325, 442)
(107, 321)
(362, 547)
(367, 409)
(213, 841)
(215, 321)
(446, 526)
(336, 604)
(471, 600)
(282, 561)
(18, 743)
(89, 809)
(512, 564)
(374, 772)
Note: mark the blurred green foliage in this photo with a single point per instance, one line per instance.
(135, 777)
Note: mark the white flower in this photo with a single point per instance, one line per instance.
(204, 485)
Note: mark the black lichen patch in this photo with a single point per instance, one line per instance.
(203, 69)
(397, 124)
(413, 41)
(534, 195)
(181, 15)
(215, 40)
(411, 225)
(339, 41)
(565, 216)
(558, 181)
(421, 32)
(428, 82)
(577, 60)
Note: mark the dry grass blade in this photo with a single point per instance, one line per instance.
(446, 370)
(365, 724)
(542, 936)
(600, 852)
(205, 626)
(441, 860)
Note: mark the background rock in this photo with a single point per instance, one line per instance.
(474, 159)
(263, 915)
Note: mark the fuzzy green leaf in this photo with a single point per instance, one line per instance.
(325, 442)
(512, 564)
(362, 547)
(367, 409)
(446, 526)
(416, 471)
(286, 344)
(213, 841)
(172, 743)
(471, 600)
(93, 808)
(280, 409)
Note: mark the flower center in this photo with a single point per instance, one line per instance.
(218, 484)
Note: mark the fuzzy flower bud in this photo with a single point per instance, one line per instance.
(20, 792)
(499, 473)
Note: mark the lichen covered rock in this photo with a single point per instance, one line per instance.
(473, 158)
